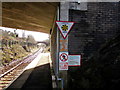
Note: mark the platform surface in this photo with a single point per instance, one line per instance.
(37, 77)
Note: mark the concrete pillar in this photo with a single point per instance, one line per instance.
(64, 15)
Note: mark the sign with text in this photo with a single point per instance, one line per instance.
(63, 61)
(74, 60)
(64, 27)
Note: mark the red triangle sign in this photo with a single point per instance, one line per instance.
(64, 27)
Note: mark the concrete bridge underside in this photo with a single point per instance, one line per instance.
(32, 16)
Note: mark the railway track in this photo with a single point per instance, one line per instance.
(9, 76)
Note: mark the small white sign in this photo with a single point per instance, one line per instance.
(63, 61)
(64, 27)
(74, 60)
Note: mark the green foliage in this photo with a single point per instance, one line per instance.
(12, 53)
(14, 50)
(18, 51)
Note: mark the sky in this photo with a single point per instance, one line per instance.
(37, 35)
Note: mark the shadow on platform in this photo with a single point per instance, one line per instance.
(38, 78)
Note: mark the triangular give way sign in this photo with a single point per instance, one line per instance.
(64, 27)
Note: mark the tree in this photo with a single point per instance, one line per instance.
(31, 39)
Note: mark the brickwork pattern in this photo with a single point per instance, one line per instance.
(93, 27)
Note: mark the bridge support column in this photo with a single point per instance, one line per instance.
(63, 16)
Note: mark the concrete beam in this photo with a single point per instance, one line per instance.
(33, 16)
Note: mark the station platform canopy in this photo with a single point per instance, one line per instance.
(32, 16)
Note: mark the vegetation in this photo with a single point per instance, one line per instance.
(13, 47)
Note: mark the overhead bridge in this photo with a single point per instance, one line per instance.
(94, 37)
(43, 43)
(32, 16)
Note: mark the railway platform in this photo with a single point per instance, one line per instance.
(36, 75)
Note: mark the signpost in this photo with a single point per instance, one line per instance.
(64, 27)
(63, 61)
(62, 45)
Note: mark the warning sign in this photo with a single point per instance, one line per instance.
(63, 61)
(64, 27)
(74, 60)
(63, 57)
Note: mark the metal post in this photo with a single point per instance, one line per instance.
(58, 44)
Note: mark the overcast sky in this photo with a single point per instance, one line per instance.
(37, 35)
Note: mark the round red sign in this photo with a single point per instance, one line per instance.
(63, 57)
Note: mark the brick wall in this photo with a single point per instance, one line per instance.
(93, 27)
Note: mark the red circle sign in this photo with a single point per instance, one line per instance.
(63, 57)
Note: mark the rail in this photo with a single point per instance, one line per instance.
(10, 75)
